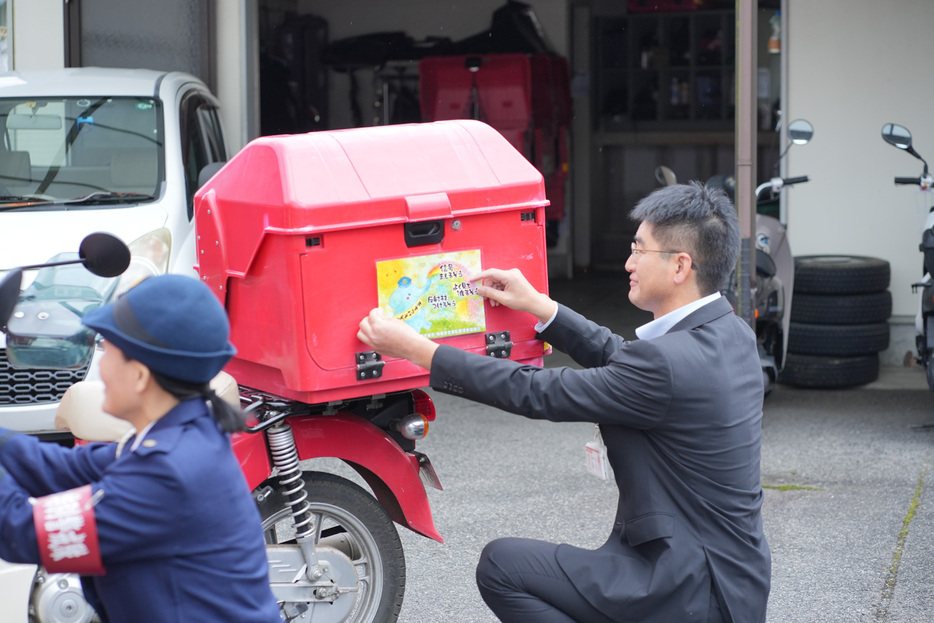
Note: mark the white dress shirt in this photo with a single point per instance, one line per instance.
(659, 326)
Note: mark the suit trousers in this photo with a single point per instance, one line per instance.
(521, 582)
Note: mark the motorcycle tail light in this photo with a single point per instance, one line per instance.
(413, 426)
(424, 405)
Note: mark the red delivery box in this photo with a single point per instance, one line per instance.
(301, 236)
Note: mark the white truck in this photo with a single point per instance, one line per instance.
(92, 149)
(86, 150)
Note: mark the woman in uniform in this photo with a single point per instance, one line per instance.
(161, 529)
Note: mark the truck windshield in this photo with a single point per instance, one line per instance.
(80, 150)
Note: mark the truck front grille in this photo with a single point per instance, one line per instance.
(34, 387)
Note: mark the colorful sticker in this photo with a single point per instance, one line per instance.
(433, 294)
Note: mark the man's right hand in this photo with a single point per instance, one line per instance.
(512, 289)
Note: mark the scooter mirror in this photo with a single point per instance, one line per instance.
(800, 131)
(9, 295)
(665, 176)
(104, 255)
(896, 135)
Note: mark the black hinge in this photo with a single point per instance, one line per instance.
(498, 345)
(369, 365)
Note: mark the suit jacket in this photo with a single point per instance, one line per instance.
(179, 533)
(681, 417)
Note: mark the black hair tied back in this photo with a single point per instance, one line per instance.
(228, 417)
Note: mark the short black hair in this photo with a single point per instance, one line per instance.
(696, 220)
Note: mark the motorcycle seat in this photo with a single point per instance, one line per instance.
(81, 409)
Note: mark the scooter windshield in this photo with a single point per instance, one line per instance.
(45, 330)
(75, 151)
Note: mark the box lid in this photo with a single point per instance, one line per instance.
(361, 177)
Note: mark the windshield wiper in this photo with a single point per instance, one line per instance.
(11, 202)
(14, 202)
(100, 197)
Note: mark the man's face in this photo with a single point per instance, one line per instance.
(650, 273)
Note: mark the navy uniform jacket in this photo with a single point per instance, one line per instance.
(681, 417)
(179, 533)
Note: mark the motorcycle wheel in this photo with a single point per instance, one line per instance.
(356, 537)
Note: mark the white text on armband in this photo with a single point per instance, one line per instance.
(67, 532)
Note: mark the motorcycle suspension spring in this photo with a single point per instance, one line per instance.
(285, 458)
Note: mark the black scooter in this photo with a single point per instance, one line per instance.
(900, 137)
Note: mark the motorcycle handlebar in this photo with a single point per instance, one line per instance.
(796, 180)
(914, 181)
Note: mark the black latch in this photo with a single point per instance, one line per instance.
(498, 345)
(369, 365)
(424, 232)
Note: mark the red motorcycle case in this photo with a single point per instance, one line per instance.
(301, 236)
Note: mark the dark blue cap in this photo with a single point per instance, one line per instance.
(172, 324)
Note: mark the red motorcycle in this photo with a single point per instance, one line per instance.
(296, 273)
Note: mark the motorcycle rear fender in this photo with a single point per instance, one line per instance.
(390, 472)
(253, 456)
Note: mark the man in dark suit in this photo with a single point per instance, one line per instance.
(680, 411)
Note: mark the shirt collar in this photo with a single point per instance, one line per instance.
(141, 435)
(184, 411)
(661, 325)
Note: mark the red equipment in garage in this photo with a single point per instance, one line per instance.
(526, 97)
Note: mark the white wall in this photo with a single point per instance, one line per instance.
(853, 67)
(38, 34)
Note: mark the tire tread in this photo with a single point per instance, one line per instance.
(841, 274)
(838, 340)
(818, 372)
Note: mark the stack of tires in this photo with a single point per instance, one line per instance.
(839, 321)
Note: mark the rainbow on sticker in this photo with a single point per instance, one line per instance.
(433, 294)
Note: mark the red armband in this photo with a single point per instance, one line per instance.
(67, 532)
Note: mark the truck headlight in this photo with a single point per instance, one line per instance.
(149, 256)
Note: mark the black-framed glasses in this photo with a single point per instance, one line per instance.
(638, 251)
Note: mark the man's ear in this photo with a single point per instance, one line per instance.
(683, 268)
